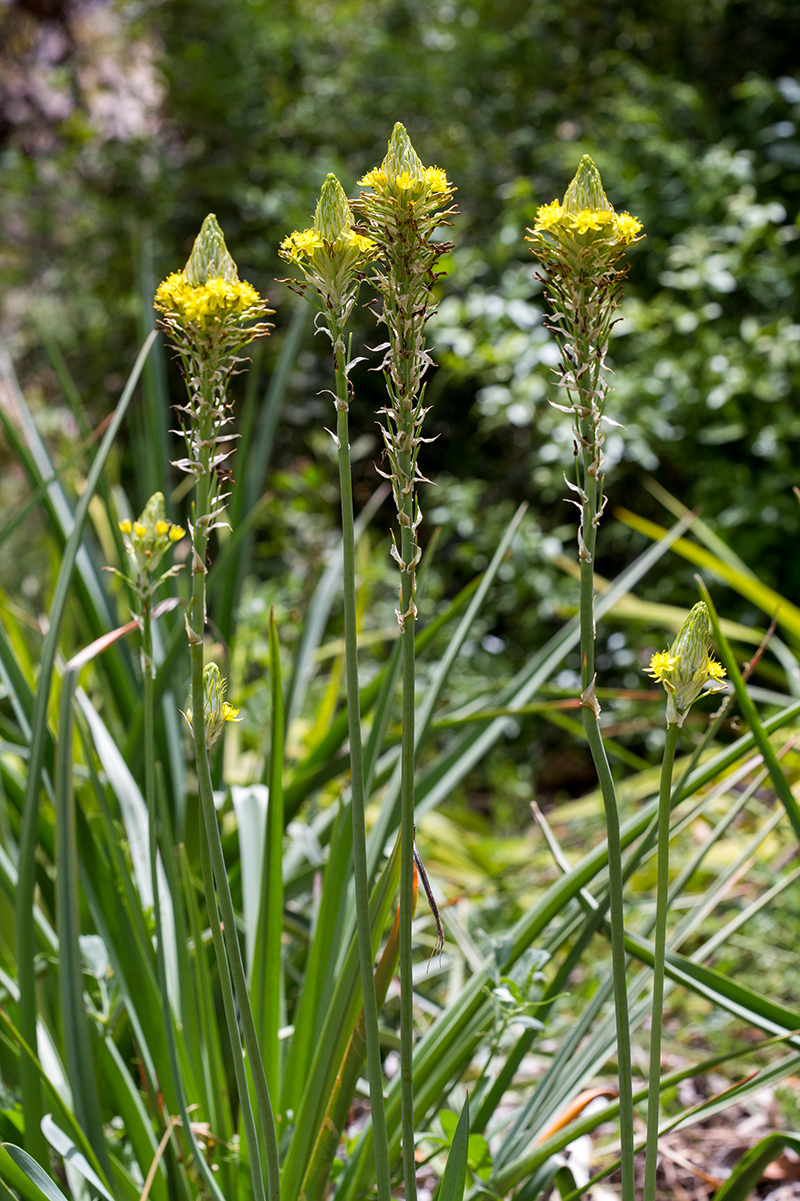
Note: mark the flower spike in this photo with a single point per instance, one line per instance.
(686, 670)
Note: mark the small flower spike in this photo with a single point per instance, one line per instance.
(146, 542)
(216, 710)
(331, 254)
(686, 670)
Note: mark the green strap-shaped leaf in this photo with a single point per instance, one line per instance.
(28, 1174)
(455, 1172)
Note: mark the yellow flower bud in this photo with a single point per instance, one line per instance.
(162, 528)
(139, 529)
(125, 526)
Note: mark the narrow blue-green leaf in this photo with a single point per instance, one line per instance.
(12, 1174)
(267, 973)
(340, 1019)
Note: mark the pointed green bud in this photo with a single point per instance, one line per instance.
(690, 648)
(401, 157)
(153, 513)
(586, 189)
(210, 257)
(332, 217)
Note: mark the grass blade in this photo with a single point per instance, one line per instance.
(65, 1147)
(455, 1172)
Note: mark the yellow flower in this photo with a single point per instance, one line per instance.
(208, 302)
(547, 215)
(661, 665)
(300, 244)
(628, 227)
(373, 179)
(162, 527)
(303, 244)
(176, 533)
(714, 669)
(216, 710)
(588, 219)
(125, 526)
(139, 529)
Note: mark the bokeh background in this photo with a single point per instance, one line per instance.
(123, 124)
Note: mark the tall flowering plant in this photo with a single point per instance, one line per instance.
(581, 243)
(210, 316)
(402, 207)
(332, 257)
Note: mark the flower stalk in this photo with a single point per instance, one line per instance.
(405, 205)
(687, 672)
(581, 242)
(210, 316)
(332, 257)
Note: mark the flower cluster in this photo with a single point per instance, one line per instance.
(146, 541)
(331, 254)
(583, 234)
(615, 227)
(216, 710)
(207, 303)
(418, 184)
(401, 213)
(403, 185)
(207, 297)
(686, 670)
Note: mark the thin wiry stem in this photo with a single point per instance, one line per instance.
(591, 507)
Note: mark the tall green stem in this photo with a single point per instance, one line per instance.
(374, 1072)
(591, 722)
(205, 789)
(662, 905)
(150, 797)
(408, 550)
